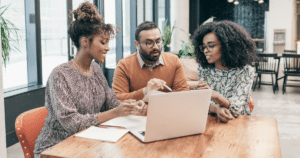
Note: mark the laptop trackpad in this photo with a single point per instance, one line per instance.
(138, 131)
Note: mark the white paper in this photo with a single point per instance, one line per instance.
(105, 134)
(127, 121)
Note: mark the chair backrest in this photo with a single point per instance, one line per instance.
(290, 51)
(291, 62)
(267, 63)
(28, 126)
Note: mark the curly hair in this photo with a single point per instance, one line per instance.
(237, 46)
(88, 23)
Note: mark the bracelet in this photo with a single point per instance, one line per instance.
(145, 90)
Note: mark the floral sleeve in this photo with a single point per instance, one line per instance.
(239, 95)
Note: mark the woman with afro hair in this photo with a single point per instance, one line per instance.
(225, 51)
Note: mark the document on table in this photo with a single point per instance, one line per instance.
(127, 121)
(105, 134)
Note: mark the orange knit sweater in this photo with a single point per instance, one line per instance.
(129, 79)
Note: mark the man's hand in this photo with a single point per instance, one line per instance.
(155, 84)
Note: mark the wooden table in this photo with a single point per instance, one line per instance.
(243, 137)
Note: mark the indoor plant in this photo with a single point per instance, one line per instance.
(166, 36)
(187, 49)
(8, 30)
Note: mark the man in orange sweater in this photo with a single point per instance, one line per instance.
(148, 69)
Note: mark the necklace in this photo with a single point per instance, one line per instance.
(85, 72)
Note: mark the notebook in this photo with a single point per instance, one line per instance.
(174, 114)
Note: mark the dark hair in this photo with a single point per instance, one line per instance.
(88, 23)
(237, 46)
(147, 25)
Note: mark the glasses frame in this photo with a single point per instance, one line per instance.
(159, 44)
(208, 48)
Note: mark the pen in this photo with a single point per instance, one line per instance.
(168, 87)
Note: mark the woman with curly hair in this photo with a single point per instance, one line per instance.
(225, 52)
(77, 93)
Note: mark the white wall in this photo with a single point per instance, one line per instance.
(281, 15)
(179, 18)
(2, 118)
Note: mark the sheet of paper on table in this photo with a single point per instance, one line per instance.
(105, 134)
(127, 121)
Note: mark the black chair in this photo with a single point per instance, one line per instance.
(290, 51)
(267, 64)
(291, 68)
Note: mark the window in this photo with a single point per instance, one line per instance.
(110, 17)
(126, 28)
(53, 35)
(15, 73)
(161, 14)
(148, 10)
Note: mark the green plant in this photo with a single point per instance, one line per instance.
(8, 30)
(187, 49)
(167, 34)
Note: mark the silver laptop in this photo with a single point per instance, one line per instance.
(175, 114)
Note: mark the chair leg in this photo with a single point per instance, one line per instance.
(254, 86)
(259, 81)
(284, 84)
(276, 79)
(273, 84)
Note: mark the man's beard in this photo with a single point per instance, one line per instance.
(150, 57)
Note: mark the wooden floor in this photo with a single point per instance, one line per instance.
(285, 108)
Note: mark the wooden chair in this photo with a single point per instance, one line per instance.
(291, 68)
(267, 64)
(28, 126)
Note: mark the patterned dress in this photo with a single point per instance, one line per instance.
(234, 84)
(73, 102)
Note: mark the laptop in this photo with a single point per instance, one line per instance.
(174, 114)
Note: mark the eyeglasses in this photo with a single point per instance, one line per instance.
(210, 47)
(150, 44)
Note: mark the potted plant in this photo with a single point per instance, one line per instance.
(8, 30)
(187, 49)
(166, 36)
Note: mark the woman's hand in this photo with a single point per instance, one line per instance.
(224, 114)
(203, 85)
(142, 107)
(125, 108)
(154, 84)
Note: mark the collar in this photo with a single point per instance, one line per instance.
(160, 61)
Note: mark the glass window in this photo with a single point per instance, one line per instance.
(110, 17)
(53, 35)
(148, 10)
(15, 73)
(161, 14)
(126, 28)
(140, 11)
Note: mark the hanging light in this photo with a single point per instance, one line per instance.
(236, 2)
(261, 1)
(229, 1)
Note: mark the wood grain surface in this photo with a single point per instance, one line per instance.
(245, 136)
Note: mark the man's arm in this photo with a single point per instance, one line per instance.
(180, 82)
(121, 84)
